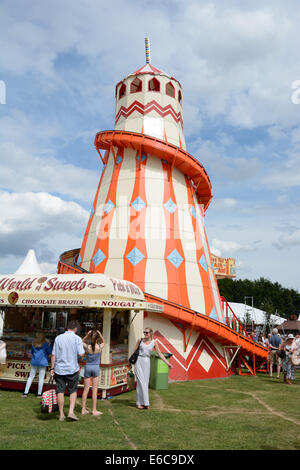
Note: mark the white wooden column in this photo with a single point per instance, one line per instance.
(106, 336)
(136, 322)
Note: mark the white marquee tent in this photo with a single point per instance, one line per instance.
(29, 265)
(255, 315)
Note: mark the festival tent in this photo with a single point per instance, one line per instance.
(29, 265)
(255, 315)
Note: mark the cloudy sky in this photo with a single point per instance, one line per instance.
(238, 63)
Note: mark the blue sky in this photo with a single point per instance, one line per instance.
(236, 61)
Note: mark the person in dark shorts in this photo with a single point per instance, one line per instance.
(274, 345)
(64, 367)
(93, 344)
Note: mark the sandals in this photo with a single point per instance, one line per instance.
(72, 417)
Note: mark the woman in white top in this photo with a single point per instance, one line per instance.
(142, 367)
(287, 365)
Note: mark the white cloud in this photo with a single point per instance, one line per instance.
(233, 59)
(286, 174)
(40, 221)
(288, 240)
(25, 171)
(282, 199)
(225, 203)
(48, 268)
(227, 248)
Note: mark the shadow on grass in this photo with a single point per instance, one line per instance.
(45, 416)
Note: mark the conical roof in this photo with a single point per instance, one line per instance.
(29, 265)
(148, 68)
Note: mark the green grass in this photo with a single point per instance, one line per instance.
(244, 413)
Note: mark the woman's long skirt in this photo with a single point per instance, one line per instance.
(288, 368)
(142, 373)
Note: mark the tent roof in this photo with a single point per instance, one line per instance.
(290, 325)
(256, 315)
(29, 265)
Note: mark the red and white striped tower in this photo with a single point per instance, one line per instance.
(147, 220)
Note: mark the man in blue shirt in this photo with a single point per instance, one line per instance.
(64, 367)
(274, 343)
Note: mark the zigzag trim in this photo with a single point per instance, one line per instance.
(147, 108)
(194, 353)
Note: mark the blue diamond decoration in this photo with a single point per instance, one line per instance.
(141, 158)
(170, 206)
(79, 259)
(135, 256)
(92, 212)
(213, 314)
(193, 212)
(119, 159)
(175, 258)
(98, 257)
(203, 263)
(138, 203)
(108, 206)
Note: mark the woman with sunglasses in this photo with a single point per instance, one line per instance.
(142, 367)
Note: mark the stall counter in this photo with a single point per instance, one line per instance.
(112, 379)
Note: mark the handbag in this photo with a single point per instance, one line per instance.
(281, 354)
(49, 399)
(135, 355)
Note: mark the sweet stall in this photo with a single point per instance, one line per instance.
(32, 304)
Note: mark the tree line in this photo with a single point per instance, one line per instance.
(268, 296)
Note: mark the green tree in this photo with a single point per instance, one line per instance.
(264, 292)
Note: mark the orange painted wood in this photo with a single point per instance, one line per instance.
(185, 162)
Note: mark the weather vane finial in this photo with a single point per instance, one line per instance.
(147, 48)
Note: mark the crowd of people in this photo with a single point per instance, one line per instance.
(67, 349)
(282, 352)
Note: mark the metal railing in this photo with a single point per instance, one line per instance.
(232, 320)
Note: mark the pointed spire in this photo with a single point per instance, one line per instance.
(29, 265)
(147, 49)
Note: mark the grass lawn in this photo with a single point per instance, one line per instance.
(238, 413)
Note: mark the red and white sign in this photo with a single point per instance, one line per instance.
(87, 290)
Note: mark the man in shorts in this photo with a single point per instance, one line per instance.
(64, 367)
(274, 343)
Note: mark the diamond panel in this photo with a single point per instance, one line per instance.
(205, 360)
(170, 206)
(135, 256)
(202, 262)
(138, 203)
(175, 258)
(108, 206)
(98, 257)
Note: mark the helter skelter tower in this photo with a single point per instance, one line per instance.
(147, 220)
(147, 226)
(147, 223)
